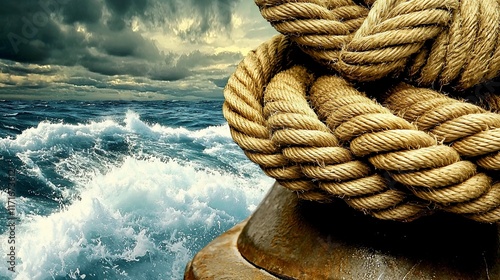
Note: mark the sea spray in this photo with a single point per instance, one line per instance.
(129, 195)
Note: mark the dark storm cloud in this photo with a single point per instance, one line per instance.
(23, 69)
(60, 45)
(44, 31)
(22, 40)
(124, 7)
(88, 11)
(128, 43)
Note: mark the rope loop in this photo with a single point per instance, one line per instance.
(409, 152)
(429, 41)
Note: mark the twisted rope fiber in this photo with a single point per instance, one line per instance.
(283, 112)
(244, 112)
(413, 158)
(436, 41)
(279, 162)
(472, 131)
(351, 147)
(307, 141)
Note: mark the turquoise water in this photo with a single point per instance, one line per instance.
(118, 190)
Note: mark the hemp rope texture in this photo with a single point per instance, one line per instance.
(442, 41)
(323, 138)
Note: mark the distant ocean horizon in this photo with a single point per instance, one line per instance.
(117, 189)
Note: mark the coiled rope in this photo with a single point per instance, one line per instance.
(318, 135)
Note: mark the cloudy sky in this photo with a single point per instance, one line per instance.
(124, 49)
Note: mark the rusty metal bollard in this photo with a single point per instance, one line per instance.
(288, 238)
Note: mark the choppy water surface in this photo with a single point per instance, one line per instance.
(119, 190)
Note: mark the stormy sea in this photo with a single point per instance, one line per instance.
(117, 189)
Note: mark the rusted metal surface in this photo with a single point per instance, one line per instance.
(220, 259)
(307, 240)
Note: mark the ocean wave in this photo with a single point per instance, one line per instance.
(10, 127)
(48, 134)
(106, 142)
(143, 219)
(119, 197)
(10, 115)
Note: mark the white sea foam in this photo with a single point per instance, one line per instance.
(139, 218)
(79, 140)
(137, 214)
(47, 135)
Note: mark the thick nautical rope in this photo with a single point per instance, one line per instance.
(246, 114)
(312, 151)
(322, 138)
(472, 131)
(444, 41)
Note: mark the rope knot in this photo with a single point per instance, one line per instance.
(428, 41)
(406, 153)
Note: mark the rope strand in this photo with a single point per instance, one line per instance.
(319, 136)
(368, 44)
